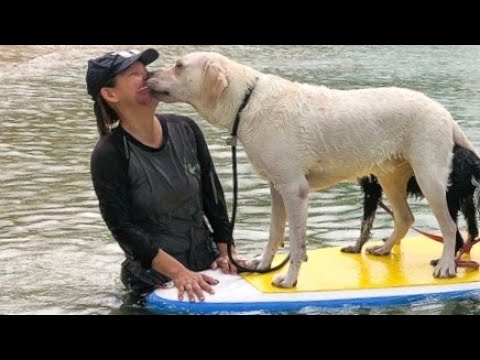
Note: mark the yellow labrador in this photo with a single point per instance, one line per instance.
(303, 138)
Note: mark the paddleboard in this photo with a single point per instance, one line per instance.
(332, 279)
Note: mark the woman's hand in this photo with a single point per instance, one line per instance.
(194, 284)
(223, 262)
(186, 281)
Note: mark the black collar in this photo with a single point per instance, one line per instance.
(232, 141)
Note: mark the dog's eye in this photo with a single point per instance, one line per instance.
(178, 65)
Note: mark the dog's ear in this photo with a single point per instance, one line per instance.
(216, 79)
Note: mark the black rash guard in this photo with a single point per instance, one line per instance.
(155, 199)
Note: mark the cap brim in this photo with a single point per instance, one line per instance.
(149, 56)
(145, 57)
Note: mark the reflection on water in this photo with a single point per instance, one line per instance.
(56, 255)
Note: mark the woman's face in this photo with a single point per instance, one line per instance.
(130, 87)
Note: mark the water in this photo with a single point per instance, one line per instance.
(57, 257)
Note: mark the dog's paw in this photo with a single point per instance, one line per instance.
(445, 269)
(252, 265)
(256, 265)
(351, 250)
(282, 281)
(378, 251)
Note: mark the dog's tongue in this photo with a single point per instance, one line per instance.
(144, 96)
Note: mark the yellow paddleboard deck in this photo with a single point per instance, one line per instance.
(332, 279)
(331, 270)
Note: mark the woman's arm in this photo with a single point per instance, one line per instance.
(109, 171)
(214, 203)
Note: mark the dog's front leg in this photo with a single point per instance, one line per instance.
(372, 192)
(277, 230)
(295, 199)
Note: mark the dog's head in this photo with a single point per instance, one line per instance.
(198, 79)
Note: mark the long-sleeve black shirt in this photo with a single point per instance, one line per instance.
(136, 185)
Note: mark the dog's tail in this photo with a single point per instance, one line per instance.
(461, 139)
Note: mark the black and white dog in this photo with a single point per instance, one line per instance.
(463, 194)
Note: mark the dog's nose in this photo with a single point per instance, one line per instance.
(153, 83)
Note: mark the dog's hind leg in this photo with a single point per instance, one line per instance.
(470, 194)
(277, 230)
(453, 202)
(469, 212)
(372, 192)
(468, 207)
(432, 179)
(295, 198)
(395, 187)
(470, 216)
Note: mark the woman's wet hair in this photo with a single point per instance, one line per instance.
(106, 116)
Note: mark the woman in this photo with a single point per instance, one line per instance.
(155, 181)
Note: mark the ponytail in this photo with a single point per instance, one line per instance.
(106, 116)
